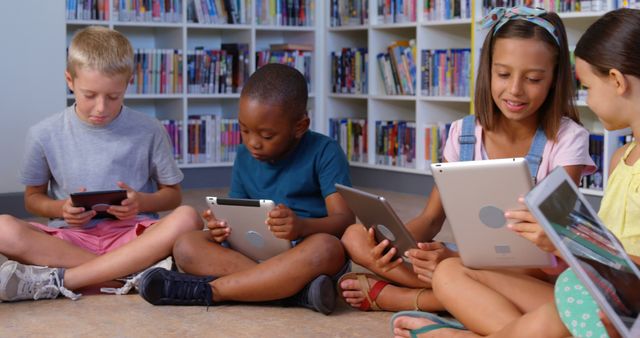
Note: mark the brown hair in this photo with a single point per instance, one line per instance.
(559, 101)
(613, 42)
(101, 49)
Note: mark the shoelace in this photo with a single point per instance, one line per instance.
(45, 289)
(177, 287)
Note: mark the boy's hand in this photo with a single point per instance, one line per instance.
(129, 207)
(283, 223)
(426, 257)
(383, 261)
(219, 230)
(611, 330)
(527, 226)
(76, 216)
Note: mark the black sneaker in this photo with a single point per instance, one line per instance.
(163, 287)
(319, 296)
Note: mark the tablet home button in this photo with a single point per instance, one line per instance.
(254, 238)
(386, 232)
(492, 217)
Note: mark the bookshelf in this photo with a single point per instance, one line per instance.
(430, 30)
(181, 27)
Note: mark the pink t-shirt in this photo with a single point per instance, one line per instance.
(570, 148)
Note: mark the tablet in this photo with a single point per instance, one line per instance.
(376, 212)
(475, 195)
(98, 201)
(249, 234)
(589, 248)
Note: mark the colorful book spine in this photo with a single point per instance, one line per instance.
(445, 72)
(285, 12)
(348, 71)
(435, 137)
(351, 134)
(433, 10)
(299, 59)
(398, 68)
(156, 71)
(147, 10)
(395, 143)
(97, 10)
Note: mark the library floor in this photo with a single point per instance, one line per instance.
(131, 316)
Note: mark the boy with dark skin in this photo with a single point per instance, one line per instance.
(280, 160)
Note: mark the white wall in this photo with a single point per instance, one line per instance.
(32, 61)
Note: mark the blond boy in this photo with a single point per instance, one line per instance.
(95, 144)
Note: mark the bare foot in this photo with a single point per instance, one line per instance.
(390, 298)
(403, 326)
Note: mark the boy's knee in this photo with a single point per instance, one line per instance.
(327, 250)
(10, 227)
(184, 249)
(188, 218)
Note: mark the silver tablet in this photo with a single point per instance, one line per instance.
(375, 212)
(249, 233)
(475, 195)
(593, 253)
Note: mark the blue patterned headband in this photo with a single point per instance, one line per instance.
(501, 15)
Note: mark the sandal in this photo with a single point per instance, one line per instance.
(438, 322)
(371, 294)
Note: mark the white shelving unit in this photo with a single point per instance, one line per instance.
(441, 34)
(185, 36)
(377, 105)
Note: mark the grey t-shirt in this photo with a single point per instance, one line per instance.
(69, 154)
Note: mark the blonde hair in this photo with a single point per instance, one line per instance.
(101, 49)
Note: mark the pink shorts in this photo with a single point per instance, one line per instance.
(107, 236)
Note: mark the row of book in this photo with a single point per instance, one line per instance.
(156, 71)
(349, 69)
(219, 11)
(349, 12)
(87, 10)
(210, 138)
(435, 137)
(300, 59)
(398, 68)
(147, 10)
(446, 9)
(395, 143)
(446, 72)
(222, 71)
(396, 11)
(285, 12)
(351, 134)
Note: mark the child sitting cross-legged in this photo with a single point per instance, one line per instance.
(280, 160)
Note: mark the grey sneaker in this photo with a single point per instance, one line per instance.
(21, 282)
(319, 296)
(133, 281)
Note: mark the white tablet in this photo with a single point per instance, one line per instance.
(475, 195)
(589, 248)
(375, 212)
(249, 233)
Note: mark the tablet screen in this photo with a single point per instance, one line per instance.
(588, 240)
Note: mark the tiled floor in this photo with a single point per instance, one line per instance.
(130, 316)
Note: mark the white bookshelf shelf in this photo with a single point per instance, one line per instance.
(285, 28)
(348, 28)
(394, 97)
(214, 96)
(218, 26)
(592, 192)
(349, 96)
(394, 25)
(465, 99)
(88, 22)
(152, 24)
(451, 22)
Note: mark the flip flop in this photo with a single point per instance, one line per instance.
(370, 293)
(439, 322)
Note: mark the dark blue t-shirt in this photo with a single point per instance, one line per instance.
(300, 181)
